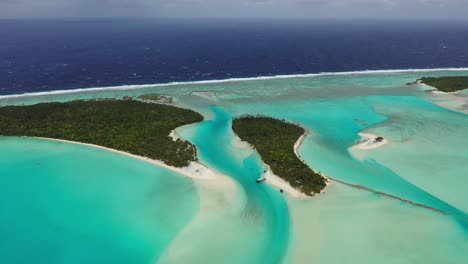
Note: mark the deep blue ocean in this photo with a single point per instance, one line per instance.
(44, 55)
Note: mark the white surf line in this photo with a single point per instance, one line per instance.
(142, 86)
(195, 170)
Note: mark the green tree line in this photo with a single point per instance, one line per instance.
(447, 84)
(274, 140)
(138, 128)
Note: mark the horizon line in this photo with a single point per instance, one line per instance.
(175, 18)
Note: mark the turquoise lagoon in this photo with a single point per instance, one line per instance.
(64, 203)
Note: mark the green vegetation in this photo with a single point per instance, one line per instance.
(131, 126)
(447, 84)
(274, 139)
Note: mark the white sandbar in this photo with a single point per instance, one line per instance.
(368, 141)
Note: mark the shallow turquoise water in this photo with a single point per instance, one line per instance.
(348, 226)
(265, 215)
(424, 162)
(64, 203)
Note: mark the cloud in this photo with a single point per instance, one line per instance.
(442, 9)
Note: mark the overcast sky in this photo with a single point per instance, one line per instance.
(314, 9)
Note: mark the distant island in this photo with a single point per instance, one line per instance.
(446, 84)
(274, 140)
(127, 125)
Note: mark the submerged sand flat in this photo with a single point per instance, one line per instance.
(236, 220)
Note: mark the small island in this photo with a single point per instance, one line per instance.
(126, 125)
(274, 140)
(446, 84)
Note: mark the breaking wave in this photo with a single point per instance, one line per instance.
(142, 86)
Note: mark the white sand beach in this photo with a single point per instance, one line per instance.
(195, 170)
(298, 144)
(279, 183)
(296, 151)
(173, 135)
(369, 141)
(274, 180)
(271, 179)
(457, 101)
(441, 92)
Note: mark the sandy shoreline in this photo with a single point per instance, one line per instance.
(368, 142)
(199, 171)
(441, 92)
(435, 90)
(456, 101)
(296, 151)
(298, 144)
(173, 135)
(195, 170)
(274, 180)
(271, 179)
(278, 182)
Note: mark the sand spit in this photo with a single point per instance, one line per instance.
(360, 187)
(369, 141)
(457, 101)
